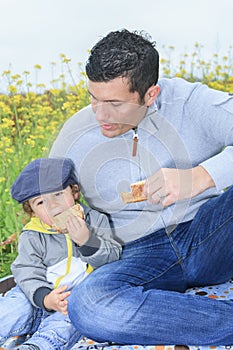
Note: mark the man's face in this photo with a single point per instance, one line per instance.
(116, 109)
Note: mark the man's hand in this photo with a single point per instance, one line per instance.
(57, 300)
(168, 186)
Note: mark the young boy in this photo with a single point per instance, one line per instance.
(49, 263)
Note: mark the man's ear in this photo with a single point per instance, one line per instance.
(151, 95)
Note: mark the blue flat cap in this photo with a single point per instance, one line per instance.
(43, 175)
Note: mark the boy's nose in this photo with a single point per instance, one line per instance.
(50, 204)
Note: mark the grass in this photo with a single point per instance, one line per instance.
(31, 116)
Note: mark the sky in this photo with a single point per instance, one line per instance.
(38, 31)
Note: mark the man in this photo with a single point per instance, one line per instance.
(178, 137)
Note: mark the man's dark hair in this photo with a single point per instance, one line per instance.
(125, 54)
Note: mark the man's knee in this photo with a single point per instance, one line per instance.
(91, 302)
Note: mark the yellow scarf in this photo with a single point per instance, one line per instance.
(35, 224)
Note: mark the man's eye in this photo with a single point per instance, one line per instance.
(116, 104)
(39, 203)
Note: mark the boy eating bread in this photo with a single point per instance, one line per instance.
(49, 264)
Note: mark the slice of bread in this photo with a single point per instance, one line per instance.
(59, 221)
(136, 193)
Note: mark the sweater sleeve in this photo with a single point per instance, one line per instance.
(214, 114)
(101, 248)
(220, 168)
(28, 268)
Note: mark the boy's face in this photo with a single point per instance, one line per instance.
(49, 205)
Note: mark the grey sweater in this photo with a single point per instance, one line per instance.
(188, 125)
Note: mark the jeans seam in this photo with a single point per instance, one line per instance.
(212, 233)
(179, 256)
(162, 273)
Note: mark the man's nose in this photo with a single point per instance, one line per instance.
(101, 110)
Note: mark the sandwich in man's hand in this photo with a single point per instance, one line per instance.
(136, 193)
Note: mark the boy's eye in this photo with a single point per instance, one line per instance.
(39, 203)
(58, 193)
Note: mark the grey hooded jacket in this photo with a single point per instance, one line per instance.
(43, 254)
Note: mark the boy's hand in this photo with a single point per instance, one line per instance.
(57, 300)
(77, 230)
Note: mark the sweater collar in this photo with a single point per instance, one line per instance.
(35, 224)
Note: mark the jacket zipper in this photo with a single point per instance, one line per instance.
(135, 142)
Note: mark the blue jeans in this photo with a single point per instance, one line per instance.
(49, 331)
(140, 299)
